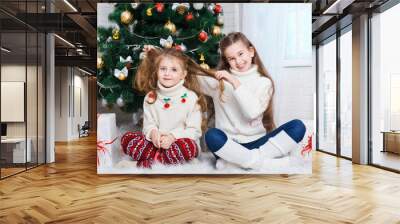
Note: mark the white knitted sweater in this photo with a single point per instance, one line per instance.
(240, 115)
(182, 116)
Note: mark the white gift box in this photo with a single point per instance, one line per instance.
(107, 140)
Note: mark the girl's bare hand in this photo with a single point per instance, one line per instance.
(155, 138)
(147, 48)
(166, 141)
(223, 74)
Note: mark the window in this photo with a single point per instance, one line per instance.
(346, 94)
(327, 97)
(385, 89)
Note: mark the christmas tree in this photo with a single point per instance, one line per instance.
(194, 28)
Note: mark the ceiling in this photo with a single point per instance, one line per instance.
(77, 25)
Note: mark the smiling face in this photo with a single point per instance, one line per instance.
(239, 56)
(170, 71)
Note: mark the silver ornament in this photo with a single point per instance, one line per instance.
(220, 20)
(104, 102)
(211, 7)
(120, 102)
(137, 116)
(198, 6)
(134, 5)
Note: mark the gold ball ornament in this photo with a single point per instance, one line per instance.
(170, 26)
(100, 63)
(126, 17)
(149, 12)
(216, 30)
(204, 66)
(181, 9)
(121, 76)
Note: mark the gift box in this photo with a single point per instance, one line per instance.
(107, 141)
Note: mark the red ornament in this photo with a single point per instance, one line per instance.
(178, 47)
(217, 8)
(189, 17)
(159, 7)
(166, 106)
(203, 36)
(128, 65)
(183, 100)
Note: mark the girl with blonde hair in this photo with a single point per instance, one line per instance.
(173, 108)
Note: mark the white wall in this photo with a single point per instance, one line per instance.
(103, 10)
(278, 30)
(61, 107)
(15, 72)
(67, 80)
(231, 17)
(33, 127)
(80, 83)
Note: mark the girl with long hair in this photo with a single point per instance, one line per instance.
(173, 109)
(242, 92)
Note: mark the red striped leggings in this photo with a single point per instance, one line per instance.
(142, 150)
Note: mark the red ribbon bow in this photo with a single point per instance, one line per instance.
(101, 147)
(307, 148)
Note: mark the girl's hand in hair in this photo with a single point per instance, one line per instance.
(223, 74)
(147, 48)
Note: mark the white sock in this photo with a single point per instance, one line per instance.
(269, 150)
(236, 153)
(279, 145)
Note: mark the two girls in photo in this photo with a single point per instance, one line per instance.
(242, 93)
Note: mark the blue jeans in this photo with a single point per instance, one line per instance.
(215, 138)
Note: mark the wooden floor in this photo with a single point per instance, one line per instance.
(387, 159)
(70, 191)
(10, 171)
